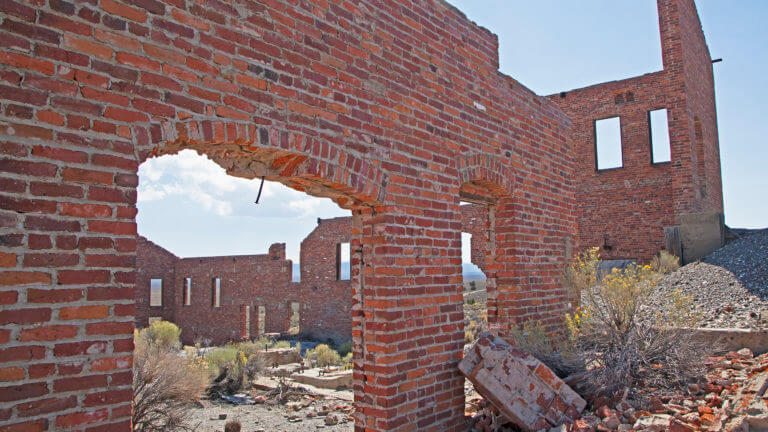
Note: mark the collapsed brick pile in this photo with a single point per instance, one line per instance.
(732, 399)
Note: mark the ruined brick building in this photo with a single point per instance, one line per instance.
(215, 300)
(228, 298)
(394, 109)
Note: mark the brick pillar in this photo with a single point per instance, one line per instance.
(530, 259)
(407, 324)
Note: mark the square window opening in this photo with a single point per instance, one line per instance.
(661, 150)
(608, 153)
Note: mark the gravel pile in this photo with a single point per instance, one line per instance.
(747, 259)
(730, 286)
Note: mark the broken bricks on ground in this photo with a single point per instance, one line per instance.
(518, 392)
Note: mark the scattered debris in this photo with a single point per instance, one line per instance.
(522, 388)
(239, 399)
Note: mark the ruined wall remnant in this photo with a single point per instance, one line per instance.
(326, 301)
(250, 281)
(625, 210)
(394, 109)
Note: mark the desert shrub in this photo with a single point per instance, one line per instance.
(323, 356)
(624, 341)
(551, 350)
(165, 385)
(163, 334)
(665, 262)
(474, 325)
(345, 348)
(346, 362)
(265, 344)
(233, 367)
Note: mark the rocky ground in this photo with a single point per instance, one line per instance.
(732, 398)
(310, 413)
(730, 286)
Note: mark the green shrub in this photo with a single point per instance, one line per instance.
(234, 366)
(345, 348)
(346, 362)
(163, 334)
(323, 356)
(264, 344)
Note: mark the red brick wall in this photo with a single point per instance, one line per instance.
(154, 262)
(626, 209)
(326, 302)
(388, 107)
(250, 280)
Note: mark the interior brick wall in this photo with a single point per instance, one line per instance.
(154, 262)
(625, 210)
(326, 301)
(251, 281)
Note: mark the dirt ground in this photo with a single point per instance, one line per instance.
(262, 418)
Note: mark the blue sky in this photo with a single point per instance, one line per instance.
(188, 205)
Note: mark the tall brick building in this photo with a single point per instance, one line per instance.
(395, 109)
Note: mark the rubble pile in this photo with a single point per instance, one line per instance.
(733, 398)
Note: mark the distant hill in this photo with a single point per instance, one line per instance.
(470, 271)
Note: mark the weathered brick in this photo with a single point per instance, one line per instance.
(81, 418)
(81, 277)
(48, 333)
(83, 312)
(25, 316)
(23, 278)
(53, 295)
(22, 391)
(12, 373)
(45, 406)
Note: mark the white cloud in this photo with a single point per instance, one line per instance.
(197, 179)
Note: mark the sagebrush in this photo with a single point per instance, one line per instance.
(234, 366)
(620, 340)
(166, 383)
(323, 356)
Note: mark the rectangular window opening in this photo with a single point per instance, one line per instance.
(262, 322)
(608, 153)
(661, 150)
(247, 322)
(342, 261)
(295, 325)
(155, 292)
(216, 292)
(187, 291)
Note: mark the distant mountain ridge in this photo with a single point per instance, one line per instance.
(469, 271)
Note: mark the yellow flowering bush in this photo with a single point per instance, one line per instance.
(623, 341)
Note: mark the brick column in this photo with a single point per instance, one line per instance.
(407, 324)
(531, 254)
